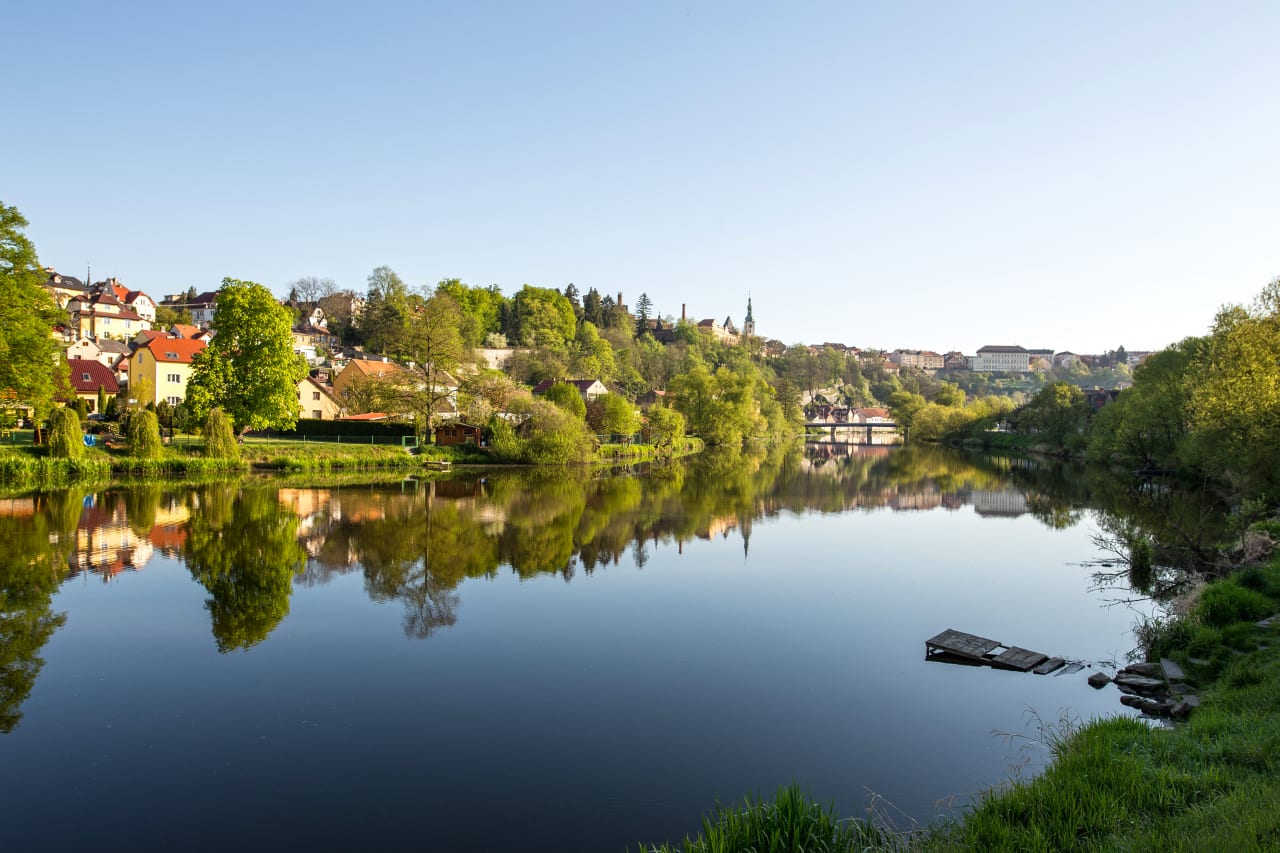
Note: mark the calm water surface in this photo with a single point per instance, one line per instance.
(530, 661)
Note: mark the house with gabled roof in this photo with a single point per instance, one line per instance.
(590, 389)
(161, 368)
(363, 369)
(87, 377)
(101, 315)
(64, 288)
(135, 300)
(315, 400)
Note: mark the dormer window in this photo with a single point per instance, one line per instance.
(84, 376)
(172, 355)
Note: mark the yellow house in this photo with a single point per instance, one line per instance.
(159, 370)
(102, 315)
(315, 402)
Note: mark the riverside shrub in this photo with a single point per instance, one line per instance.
(219, 439)
(65, 440)
(144, 435)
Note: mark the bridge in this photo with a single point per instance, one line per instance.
(845, 425)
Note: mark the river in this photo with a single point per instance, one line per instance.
(535, 660)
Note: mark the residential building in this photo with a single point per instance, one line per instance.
(1065, 359)
(135, 300)
(1001, 359)
(590, 389)
(64, 288)
(160, 369)
(101, 315)
(87, 377)
(921, 359)
(362, 369)
(201, 307)
(315, 401)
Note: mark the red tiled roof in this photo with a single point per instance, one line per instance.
(173, 350)
(88, 376)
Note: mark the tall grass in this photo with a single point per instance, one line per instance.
(788, 823)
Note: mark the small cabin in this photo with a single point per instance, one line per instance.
(459, 433)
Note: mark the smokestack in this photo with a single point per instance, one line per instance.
(682, 313)
(619, 298)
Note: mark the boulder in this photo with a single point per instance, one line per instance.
(1183, 709)
(1099, 680)
(1140, 682)
(1131, 701)
(1146, 670)
(1153, 708)
(1171, 670)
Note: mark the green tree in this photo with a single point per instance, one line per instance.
(903, 406)
(169, 315)
(644, 305)
(144, 435)
(65, 440)
(434, 347)
(666, 427)
(553, 436)
(481, 307)
(30, 370)
(102, 400)
(568, 398)
(1057, 412)
(612, 414)
(249, 368)
(383, 321)
(219, 438)
(544, 318)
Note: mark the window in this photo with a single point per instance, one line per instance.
(315, 395)
(176, 378)
(84, 376)
(173, 401)
(172, 355)
(317, 414)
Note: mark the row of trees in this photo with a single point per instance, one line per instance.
(1208, 404)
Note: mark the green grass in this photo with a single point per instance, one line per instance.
(788, 823)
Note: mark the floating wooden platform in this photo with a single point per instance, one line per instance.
(952, 646)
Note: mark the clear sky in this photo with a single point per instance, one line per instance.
(945, 175)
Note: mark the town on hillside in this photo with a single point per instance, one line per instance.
(124, 343)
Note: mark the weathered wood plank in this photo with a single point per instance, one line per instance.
(1049, 666)
(1069, 669)
(961, 644)
(1018, 659)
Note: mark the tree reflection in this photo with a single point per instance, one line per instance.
(242, 546)
(33, 563)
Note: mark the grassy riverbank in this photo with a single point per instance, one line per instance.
(23, 466)
(1211, 783)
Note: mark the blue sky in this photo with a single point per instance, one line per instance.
(930, 175)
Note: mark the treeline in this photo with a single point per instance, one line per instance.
(1207, 407)
(725, 394)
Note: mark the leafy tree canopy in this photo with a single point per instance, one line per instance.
(249, 368)
(29, 366)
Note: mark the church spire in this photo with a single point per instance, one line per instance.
(749, 324)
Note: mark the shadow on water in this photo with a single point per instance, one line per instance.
(248, 543)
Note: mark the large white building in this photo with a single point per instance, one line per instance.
(1001, 359)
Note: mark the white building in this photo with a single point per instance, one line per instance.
(1001, 359)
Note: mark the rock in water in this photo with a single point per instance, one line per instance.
(1099, 680)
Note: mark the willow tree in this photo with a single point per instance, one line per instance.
(30, 370)
(249, 369)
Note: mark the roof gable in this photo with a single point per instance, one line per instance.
(173, 350)
(87, 376)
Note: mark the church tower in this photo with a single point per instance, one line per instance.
(749, 324)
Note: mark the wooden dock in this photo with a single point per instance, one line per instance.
(952, 646)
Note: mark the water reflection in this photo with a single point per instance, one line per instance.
(414, 542)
